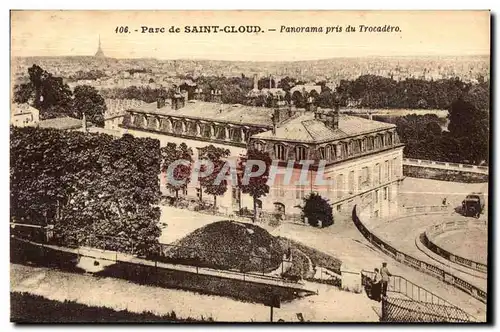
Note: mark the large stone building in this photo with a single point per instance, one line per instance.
(362, 158)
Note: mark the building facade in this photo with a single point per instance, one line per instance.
(362, 158)
(23, 115)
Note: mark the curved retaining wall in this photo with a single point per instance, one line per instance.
(415, 263)
(435, 230)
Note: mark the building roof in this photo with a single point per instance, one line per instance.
(25, 108)
(306, 129)
(216, 112)
(63, 123)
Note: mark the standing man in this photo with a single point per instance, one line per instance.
(384, 271)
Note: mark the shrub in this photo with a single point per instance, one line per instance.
(317, 209)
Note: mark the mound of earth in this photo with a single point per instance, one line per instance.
(228, 245)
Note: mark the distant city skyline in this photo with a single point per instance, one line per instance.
(76, 33)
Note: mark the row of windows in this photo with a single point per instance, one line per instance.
(205, 130)
(331, 152)
(366, 177)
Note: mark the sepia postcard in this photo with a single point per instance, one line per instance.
(249, 166)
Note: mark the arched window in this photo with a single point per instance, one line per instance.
(279, 151)
(333, 152)
(178, 127)
(166, 125)
(343, 150)
(259, 145)
(191, 128)
(300, 153)
(363, 145)
(328, 152)
(322, 153)
(151, 122)
(370, 143)
(357, 146)
(206, 130)
(389, 139)
(378, 142)
(235, 134)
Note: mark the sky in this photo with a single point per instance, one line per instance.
(422, 33)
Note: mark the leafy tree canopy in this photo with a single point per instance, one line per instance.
(317, 210)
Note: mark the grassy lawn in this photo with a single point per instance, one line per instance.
(28, 308)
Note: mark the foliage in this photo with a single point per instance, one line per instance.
(182, 172)
(468, 137)
(372, 91)
(87, 100)
(87, 185)
(228, 245)
(53, 98)
(257, 186)
(469, 124)
(209, 183)
(91, 75)
(45, 92)
(23, 93)
(144, 93)
(317, 209)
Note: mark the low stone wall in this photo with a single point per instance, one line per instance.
(443, 174)
(417, 264)
(414, 210)
(435, 230)
(446, 165)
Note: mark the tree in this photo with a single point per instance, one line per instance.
(287, 83)
(48, 93)
(469, 123)
(256, 186)
(298, 99)
(87, 100)
(317, 209)
(326, 99)
(208, 183)
(95, 189)
(23, 93)
(181, 174)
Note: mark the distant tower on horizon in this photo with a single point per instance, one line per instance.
(99, 53)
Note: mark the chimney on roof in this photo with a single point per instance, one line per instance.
(275, 120)
(198, 94)
(216, 96)
(329, 117)
(178, 100)
(160, 102)
(336, 115)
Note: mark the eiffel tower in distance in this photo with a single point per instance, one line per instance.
(99, 53)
